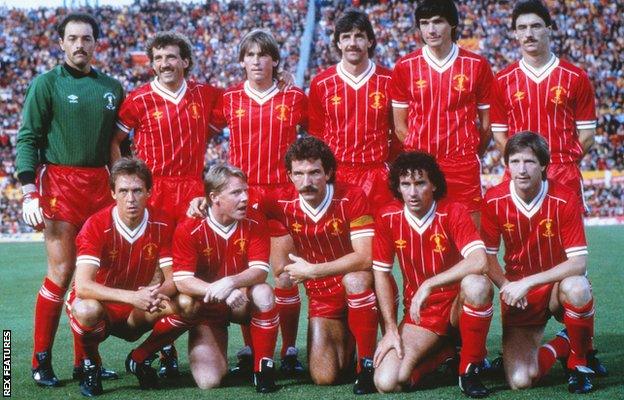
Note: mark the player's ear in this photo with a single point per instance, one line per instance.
(113, 194)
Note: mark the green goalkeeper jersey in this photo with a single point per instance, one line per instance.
(68, 119)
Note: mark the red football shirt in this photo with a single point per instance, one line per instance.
(352, 114)
(424, 247)
(262, 126)
(554, 101)
(126, 258)
(324, 233)
(171, 130)
(209, 251)
(538, 235)
(442, 98)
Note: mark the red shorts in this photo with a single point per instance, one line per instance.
(326, 298)
(172, 194)
(72, 194)
(463, 183)
(435, 315)
(537, 312)
(570, 176)
(256, 193)
(372, 178)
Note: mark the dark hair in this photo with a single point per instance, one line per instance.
(78, 17)
(130, 166)
(410, 162)
(531, 7)
(354, 19)
(444, 8)
(528, 140)
(311, 148)
(265, 41)
(169, 38)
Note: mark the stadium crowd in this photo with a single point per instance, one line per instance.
(590, 34)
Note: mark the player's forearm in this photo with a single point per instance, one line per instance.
(574, 266)
(115, 148)
(495, 271)
(88, 289)
(385, 298)
(485, 131)
(351, 262)
(249, 277)
(167, 287)
(586, 137)
(400, 123)
(475, 263)
(500, 138)
(192, 286)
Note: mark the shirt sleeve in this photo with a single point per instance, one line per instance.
(361, 223)
(217, 116)
(585, 107)
(484, 86)
(399, 86)
(303, 105)
(499, 108)
(36, 120)
(490, 231)
(128, 116)
(89, 244)
(184, 253)
(259, 243)
(316, 111)
(465, 234)
(165, 258)
(572, 230)
(383, 249)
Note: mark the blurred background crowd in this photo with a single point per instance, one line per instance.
(589, 33)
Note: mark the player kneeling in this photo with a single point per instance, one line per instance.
(545, 265)
(222, 261)
(442, 259)
(122, 253)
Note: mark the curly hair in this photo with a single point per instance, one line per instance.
(407, 163)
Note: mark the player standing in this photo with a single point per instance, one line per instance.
(120, 250)
(541, 225)
(442, 259)
(332, 230)
(68, 118)
(545, 94)
(350, 109)
(439, 93)
(263, 122)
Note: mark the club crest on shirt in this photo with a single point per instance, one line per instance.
(558, 95)
(400, 243)
(296, 227)
(157, 114)
(377, 100)
(421, 84)
(150, 251)
(242, 245)
(519, 95)
(547, 226)
(335, 99)
(509, 227)
(110, 100)
(207, 251)
(194, 107)
(239, 113)
(438, 241)
(282, 112)
(112, 254)
(53, 204)
(460, 82)
(335, 226)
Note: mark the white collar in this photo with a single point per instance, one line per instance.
(317, 213)
(539, 74)
(260, 97)
(131, 235)
(224, 231)
(162, 91)
(420, 225)
(440, 65)
(533, 207)
(356, 82)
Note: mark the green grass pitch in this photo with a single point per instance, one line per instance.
(23, 266)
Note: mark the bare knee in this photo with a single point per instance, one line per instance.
(575, 290)
(357, 282)
(262, 296)
(208, 380)
(476, 290)
(323, 377)
(187, 306)
(386, 382)
(88, 312)
(520, 380)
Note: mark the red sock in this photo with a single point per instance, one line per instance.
(547, 354)
(264, 327)
(579, 321)
(47, 314)
(431, 362)
(363, 320)
(288, 305)
(246, 334)
(87, 340)
(165, 331)
(474, 324)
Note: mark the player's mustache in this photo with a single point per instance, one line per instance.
(309, 188)
(84, 53)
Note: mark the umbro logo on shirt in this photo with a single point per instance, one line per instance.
(73, 98)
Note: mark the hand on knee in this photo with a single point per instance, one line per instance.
(576, 291)
(283, 281)
(477, 290)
